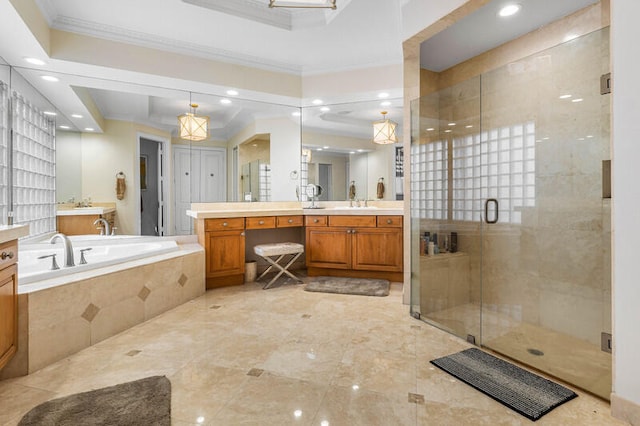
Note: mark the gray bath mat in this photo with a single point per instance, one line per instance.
(527, 393)
(142, 402)
(358, 286)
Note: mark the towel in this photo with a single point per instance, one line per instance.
(352, 191)
(121, 186)
(380, 190)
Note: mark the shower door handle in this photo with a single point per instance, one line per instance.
(486, 210)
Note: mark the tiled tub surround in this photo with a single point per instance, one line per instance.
(60, 316)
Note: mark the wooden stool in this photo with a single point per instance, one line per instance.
(267, 251)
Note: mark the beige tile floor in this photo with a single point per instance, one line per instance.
(243, 355)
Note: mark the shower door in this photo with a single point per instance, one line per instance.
(515, 163)
(546, 277)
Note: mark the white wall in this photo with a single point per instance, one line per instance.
(419, 14)
(626, 197)
(68, 166)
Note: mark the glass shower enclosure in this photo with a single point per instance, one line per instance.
(510, 211)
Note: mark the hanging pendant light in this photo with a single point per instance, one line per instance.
(384, 131)
(304, 4)
(193, 127)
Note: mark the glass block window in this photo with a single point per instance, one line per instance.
(264, 175)
(33, 167)
(304, 178)
(429, 180)
(4, 153)
(499, 163)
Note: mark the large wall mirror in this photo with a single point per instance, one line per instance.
(339, 154)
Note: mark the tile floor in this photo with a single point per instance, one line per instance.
(243, 355)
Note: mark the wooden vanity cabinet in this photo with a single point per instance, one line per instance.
(8, 301)
(83, 224)
(224, 243)
(359, 246)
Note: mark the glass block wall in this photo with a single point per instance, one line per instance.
(34, 174)
(4, 153)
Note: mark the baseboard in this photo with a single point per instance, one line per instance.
(625, 410)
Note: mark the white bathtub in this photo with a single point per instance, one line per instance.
(105, 251)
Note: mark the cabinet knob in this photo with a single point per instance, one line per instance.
(261, 222)
(290, 221)
(211, 175)
(316, 220)
(242, 233)
(186, 173)
(6, 255)
(389, 221)
(225, 224)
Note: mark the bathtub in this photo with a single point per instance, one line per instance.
(126, 281)
(105, 251)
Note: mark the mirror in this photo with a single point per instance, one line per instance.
(338, 153)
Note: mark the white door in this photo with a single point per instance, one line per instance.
(200, 177)
(182, 189)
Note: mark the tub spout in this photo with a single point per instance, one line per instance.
(106, 227)
(68, 248)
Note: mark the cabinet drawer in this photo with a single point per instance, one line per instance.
(261, 222)
(9, 253)
(315, 220)
(288, 221)
(224, 224)
(360, 221)
(389, 221)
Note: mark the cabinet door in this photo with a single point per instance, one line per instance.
(377, 249)
(225, 253)
(328, 248)
(8, 314)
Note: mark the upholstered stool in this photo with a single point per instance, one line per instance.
(279, 250)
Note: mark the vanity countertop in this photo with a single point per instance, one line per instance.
(76, 211)
(223, 210)
(12, 232)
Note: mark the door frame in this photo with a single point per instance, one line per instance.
(166, 188)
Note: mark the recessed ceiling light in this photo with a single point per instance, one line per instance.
(325, 147)
(577, 100)
(319, 149)
(325, 109)
(49, 78)
(383, 95)
(89, 129)
(360, 150)
(76, 115)
(317, 102)
(64, 127)
(232, 92)
(451, 124)
(567, 96)
(225, 101)
(385, 103)
(35, 61)
(352, 152)
(49, 113)
(448, 131)
(468, 126)
(589, 136)
(296, 113)
(297, 413)
(509, 10)
(430, 129)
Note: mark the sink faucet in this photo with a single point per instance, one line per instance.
(106, 227)
(68, 248)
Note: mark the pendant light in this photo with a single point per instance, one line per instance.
(304, 4)
(384, 131)
(193, 127)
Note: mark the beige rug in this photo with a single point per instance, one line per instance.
(357, 286)
(139, 403)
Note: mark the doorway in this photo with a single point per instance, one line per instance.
(152, 186)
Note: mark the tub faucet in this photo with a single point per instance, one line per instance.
(106, 227)
(68, 249)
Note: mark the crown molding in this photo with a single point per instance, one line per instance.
(113, 33)
(48, 10)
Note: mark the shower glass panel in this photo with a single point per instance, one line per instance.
(546, 277)
(515, 163)
(445, 209)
